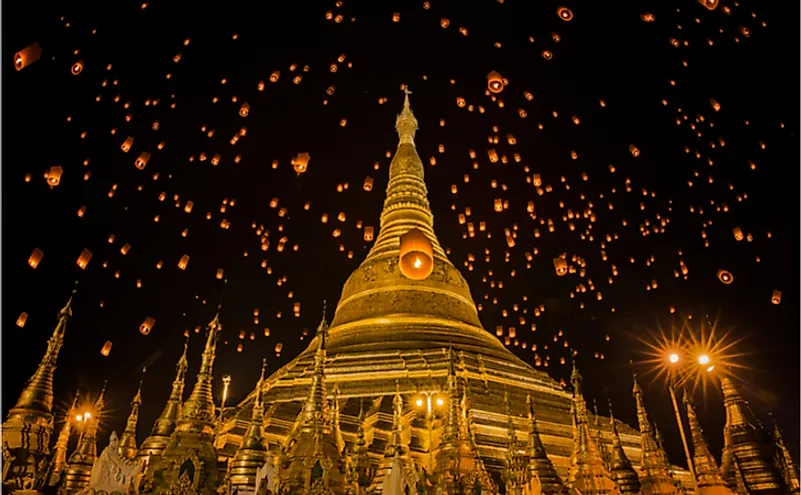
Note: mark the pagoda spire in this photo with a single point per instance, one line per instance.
(60, 456)
(79, 466)
(335, 419)
(29, 425)
(360, 471)
(195, 428)
(655, 478)
(252, 452)
(514, 473)
(743, 446)
(706, 468)
(587, 473)
(540, 466)
(165, 424)
(784, 461)
(127, 445)
(619, 465)
(315, 410)
(394, 447)
(599, 435)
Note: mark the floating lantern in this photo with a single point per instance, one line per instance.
(84, 258)
(715, 104)
(23, 317)
(776, 298)
(147, 325)
(725, 276)
(106, 348)
(244, 110)
(27, 56)
(498, 205)
(142, 160)
(35, 258)
(564, 13)
(124, 249)
(494, 82)
(126, 145)
(560, 266)
(77, 68)
(274, 76)
(368, 233)
(301, 162)
(635, 152)
(219, 274)
(738, 234)
(53, 175)
(183, 262)
(709, 4)
(416, 255)
(278, 347)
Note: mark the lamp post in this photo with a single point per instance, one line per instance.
(430, 402)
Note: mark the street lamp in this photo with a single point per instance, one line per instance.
(430, 403)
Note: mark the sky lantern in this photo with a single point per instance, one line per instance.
(301, 162)
(416, 259)
(106, 348)
(494, 82)
(776, 298)
(709, 4)
(84, 258)
(725, 277)
(183, 262)
(142, 160)
(564, 13)
(27, 56)
(560, 266)
(23, 317)
(76, 68)
(35, 258)
(368, 233)
(244, 110)
(147, 325)
(126, 145)
(53, 175)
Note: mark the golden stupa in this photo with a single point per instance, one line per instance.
(399, 314)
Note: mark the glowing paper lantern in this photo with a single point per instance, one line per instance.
(416, 259)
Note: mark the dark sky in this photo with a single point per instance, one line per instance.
(606, 52)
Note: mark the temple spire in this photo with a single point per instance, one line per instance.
(784, 461)
(165, 424)
(587, 473)
(540, 466)
(127, 445)
(79, 466)
(252, 452)
(619, 465)
(335, 419)
(743, 447)
(655, 477)
(599, 435)
(29, 425)
(198, 412)
(406, 124)
(60, 456)
(314, 411)
(706, 469)
(514, 473)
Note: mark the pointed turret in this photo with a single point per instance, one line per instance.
(127, 445)
(599, 439)
(79, 466)
(155, 444)
(514, 471)
(706, 468)
(394, 447)
(192, 440)
(335, 418)
(313, 462)
(539, 465)
(619, 465)
(252, 452)
(655, 473)
(360, 471)
(60, 455)
(743, 447)
(29, 426)
(457, 466)
(587, 473)
(783, 460)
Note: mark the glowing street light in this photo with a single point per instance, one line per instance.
(703, 359)
(430, 402)
(674, 358)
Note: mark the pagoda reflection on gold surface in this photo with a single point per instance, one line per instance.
(404, 393)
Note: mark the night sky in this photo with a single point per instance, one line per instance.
(607, 52)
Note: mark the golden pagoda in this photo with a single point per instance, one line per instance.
(188, 464)
(706, 469)
(747, 465)
(311, 462)
(540, 466)
(79, 467)
(587, 475)
(252, 454)
(399, 313)
(159, 437)
(29, 426)
(619, 465)
(60, 454)
(127, 446)
(655, 476)
(783, 460)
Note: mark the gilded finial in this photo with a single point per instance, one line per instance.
(406, 124)
(323, 326)
(66, 311)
